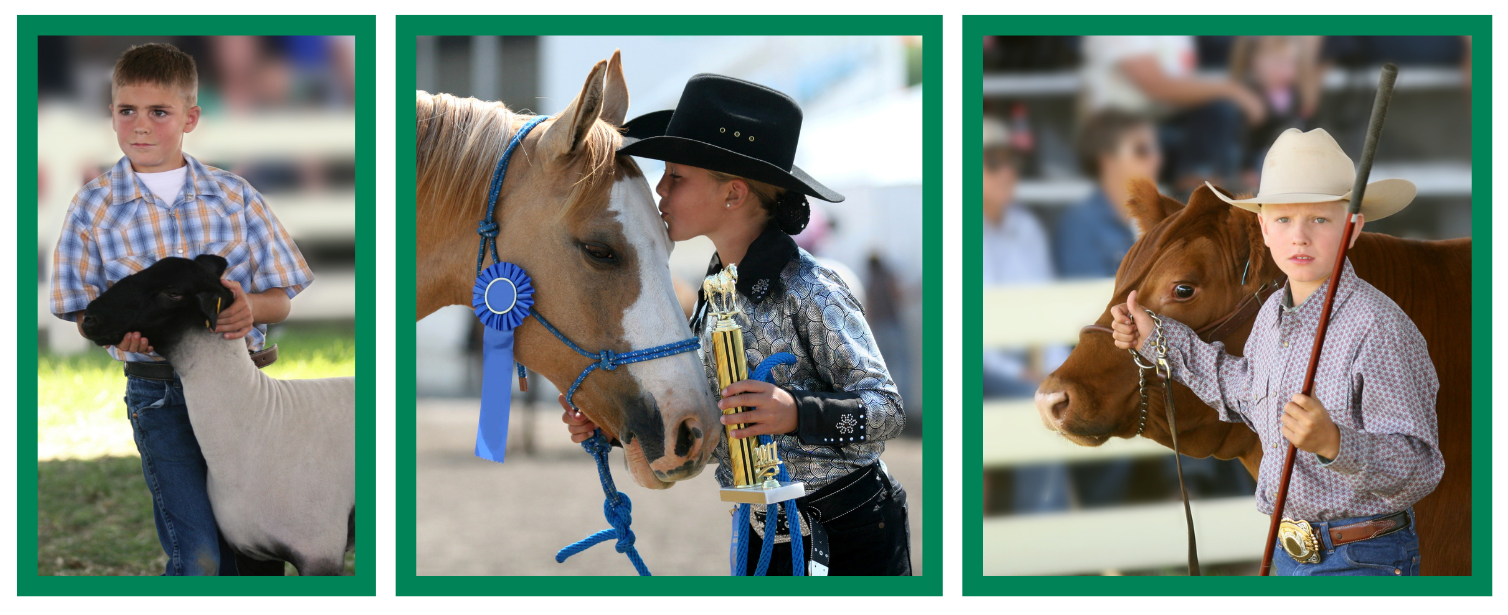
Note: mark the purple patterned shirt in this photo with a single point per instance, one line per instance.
(1375, 378)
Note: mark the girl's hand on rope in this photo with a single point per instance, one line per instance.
(580, 427)
(1130, 323)
(1307, 425)
(769, 410)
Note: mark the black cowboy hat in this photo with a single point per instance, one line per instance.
(730, 126)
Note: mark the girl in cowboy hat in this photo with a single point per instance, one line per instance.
(1368, 435)
(728, 148)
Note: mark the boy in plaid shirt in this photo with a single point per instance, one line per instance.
(1367, 440)
(155, 203)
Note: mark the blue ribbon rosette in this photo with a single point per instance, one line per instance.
(501, 297)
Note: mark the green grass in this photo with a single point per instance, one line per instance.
(94, 512)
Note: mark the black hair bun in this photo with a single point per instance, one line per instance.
(792, 212)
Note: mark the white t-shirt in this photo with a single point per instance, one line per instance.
(1105, 86)
(167, 184)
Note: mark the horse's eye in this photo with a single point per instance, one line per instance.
(598, 252)
(1183, 291)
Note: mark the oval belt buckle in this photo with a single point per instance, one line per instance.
(1299, 541)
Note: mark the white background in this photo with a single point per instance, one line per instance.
(956, 428)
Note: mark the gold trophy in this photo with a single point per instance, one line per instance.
(754, 466)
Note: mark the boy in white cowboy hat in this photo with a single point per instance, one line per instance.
(1368, 441)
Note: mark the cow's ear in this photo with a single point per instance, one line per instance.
(210, 303)
(1148, 206)
(213, 263)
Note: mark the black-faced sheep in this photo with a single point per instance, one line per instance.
(280, 453)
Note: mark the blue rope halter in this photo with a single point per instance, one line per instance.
(617, 507)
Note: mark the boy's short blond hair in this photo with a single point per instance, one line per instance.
(160, 64)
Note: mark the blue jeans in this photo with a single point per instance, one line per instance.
(1396, 554)
(175, 473)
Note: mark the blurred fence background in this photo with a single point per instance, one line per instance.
(278, 111)
(1073, 118)
(861, 135)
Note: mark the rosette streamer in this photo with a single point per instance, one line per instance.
(502, 298)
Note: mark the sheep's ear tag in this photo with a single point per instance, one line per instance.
(212, 316)
(501, 299)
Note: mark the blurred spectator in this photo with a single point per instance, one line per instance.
(1284, 72)
(1015, 251)
(1093, 236)
(883, 311)
(1015, 244)
(1200, 120)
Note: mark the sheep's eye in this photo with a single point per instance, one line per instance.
(172, 296)
(599, 252)
(1183, 291)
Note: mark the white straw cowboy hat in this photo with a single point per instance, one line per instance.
(1310, 167)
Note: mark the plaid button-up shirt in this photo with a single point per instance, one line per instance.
(115, 227)
(1374, 378)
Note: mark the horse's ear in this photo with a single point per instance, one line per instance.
(1148, 206)
(615, 96)
(572, 125)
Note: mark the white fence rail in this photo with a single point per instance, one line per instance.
(1091, 541)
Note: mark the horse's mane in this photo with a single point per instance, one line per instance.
(460, 140)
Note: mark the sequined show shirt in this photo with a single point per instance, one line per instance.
(847, 404)
(1375, 378)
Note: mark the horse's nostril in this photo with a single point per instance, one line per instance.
(687, 435)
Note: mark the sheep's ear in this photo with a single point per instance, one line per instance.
(210, 303)
(213, 263)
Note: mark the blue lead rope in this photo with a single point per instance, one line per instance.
(617, 508)
(740, 552)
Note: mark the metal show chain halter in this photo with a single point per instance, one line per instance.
(1165, 372)
(1215, 331)
(517, 295)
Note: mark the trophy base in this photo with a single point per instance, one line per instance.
(760, 495)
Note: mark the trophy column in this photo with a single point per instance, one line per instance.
(754, 466)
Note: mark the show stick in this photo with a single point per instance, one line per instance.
(1358, 190)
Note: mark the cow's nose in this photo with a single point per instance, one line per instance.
(1050, 406)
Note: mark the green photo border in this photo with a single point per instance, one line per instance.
(28, 28)
(409, 583)
(1480, 27)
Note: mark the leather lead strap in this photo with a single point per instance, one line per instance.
(1188, 514)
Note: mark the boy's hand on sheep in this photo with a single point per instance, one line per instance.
(580, 427)
(134, 342)
(235, 321)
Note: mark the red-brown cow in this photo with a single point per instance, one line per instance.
(1208, 243)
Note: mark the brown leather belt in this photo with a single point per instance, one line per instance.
(162, 370)
(1367, 530)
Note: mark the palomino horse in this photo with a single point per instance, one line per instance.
(1206, 245)
(581, 220)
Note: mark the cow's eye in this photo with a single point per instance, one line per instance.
(1183, 291)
